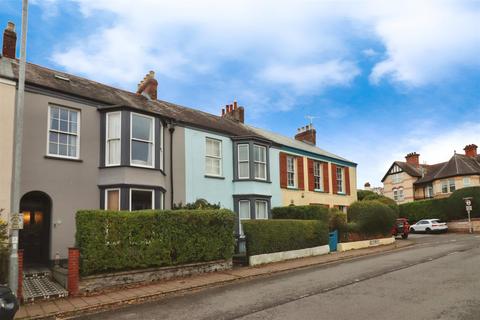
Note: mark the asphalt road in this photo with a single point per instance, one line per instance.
(437, 278)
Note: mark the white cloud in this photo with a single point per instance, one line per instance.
(312, 77)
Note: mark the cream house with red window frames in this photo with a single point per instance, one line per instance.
(310, 175)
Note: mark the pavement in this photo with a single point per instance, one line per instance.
(437, 278)
(152, 293)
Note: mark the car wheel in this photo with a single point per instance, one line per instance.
(405, 236)
(412, 230)
(428, 230)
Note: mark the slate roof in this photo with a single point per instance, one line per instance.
(292, 143)
(458, 165)
(407, 167)
(104, 95)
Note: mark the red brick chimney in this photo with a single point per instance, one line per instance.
(413, 158)
(234, 112)
(9, 41)
(307, 134)
(471, 150)
(148, 86)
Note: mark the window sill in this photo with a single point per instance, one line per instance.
(320, 191)
(214, 177)
(62, 158)
(135, 167)
(294, 189)
(341, 194)
(252, 180)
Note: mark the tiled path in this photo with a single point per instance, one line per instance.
(67, 307)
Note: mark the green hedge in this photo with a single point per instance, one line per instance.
(301, 213)
(385, 200)
(425, 209)
(447, 209)
(268, 236)
(113, 240)
(371, 217)
(361, 194)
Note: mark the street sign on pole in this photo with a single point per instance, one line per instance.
(469, 208)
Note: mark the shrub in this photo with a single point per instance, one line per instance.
(4, 252)
(385, 200)
(456, 204)
(199, 204)
(268, 236)
(302, 213)
(361, 194)
(113, 240)
(337, 221)
(424, 209)
(372, 217)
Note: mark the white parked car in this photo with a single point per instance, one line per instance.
(429, 225)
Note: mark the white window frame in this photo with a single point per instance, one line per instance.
(294, 162)
(220, 142)
(318, 175)
(395, 194)
(342, 179)
(445, 185)
(429, 192)
(162, 200)
(106, 197)
(79, 114)
(255, 162)
(146, 141)
(450, 185)
(240, 219)
(243, 161)
(467, 182)
(107, 140)
(396, 178)
(162, 143)
(400, 194)
(144, 190)
(266, 208)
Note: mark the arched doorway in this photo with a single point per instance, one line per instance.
(35, 236)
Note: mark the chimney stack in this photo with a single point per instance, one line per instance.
(148, 86)
(9, 41)
(234, 112)
(413, 158)
(307, 134)
(471, 150)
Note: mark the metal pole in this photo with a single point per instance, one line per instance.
(469, 222)
(17, 155)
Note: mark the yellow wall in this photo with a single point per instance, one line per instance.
(305, 197)
(7, 109)
(406, 181)
(437, 185)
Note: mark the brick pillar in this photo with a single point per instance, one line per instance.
(73, 271)
(20, 275)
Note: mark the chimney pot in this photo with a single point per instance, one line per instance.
(307, 134)
(413, 158)
(471, 150)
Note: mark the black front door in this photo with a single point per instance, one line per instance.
(35, 236)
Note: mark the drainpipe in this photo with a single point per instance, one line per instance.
(171, 129)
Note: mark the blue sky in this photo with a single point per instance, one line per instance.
(382, 78)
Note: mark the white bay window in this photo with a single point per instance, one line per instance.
(243, 213)
(142, 143)
(260, 162)
(243, 161)
(113, 138)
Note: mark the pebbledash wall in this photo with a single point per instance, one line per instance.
(221, 189)
(7, 115)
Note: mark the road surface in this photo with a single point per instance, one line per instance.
(437, 278)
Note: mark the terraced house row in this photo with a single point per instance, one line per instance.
(89, 145)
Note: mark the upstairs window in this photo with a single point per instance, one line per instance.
(113, 138)
(63, 132)
(317, 176)
(339, 179)
(466, 182)
(451, 184)
(213, 157)
(396, 178)
(243, 161)
(260, 162)
(291, 172)
(444, 186)
(142, 140)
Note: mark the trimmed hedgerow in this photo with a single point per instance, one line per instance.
(302, 213)
(385, 200)
(456, 204)
(122, 240)
(268, 236)
(425, 209)
(371, 217)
